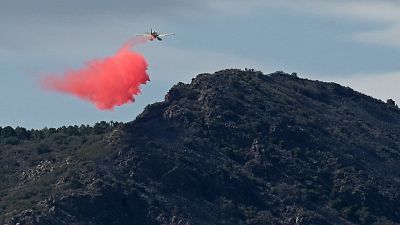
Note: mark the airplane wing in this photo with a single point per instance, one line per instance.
(144, 35)
(164, 35)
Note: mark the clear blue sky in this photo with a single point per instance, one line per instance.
(355, 43)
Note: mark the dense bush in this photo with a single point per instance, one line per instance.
(233, 147)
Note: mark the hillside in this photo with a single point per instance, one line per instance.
(233, 147)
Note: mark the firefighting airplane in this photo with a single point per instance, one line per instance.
(152, 35)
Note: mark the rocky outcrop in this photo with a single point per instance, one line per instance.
(233, 147)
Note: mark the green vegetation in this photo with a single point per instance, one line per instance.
(33, 161)
(233, 147)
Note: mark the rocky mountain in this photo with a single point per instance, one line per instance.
(233, 147)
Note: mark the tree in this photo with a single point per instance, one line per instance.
(7, 132)
(22, 133)
(100, 128)
(391, 102)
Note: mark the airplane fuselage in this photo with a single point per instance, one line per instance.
(155, 35)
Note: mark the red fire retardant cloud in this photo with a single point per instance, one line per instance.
(107, 82)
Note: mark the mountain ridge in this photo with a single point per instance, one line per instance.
(233, 147)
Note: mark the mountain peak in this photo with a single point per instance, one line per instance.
(232, 147)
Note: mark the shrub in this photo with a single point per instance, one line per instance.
(43, 148)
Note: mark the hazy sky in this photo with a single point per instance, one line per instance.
(355, 43)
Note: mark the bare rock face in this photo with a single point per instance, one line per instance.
(233, 147)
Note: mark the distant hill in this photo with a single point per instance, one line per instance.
(233, 147)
